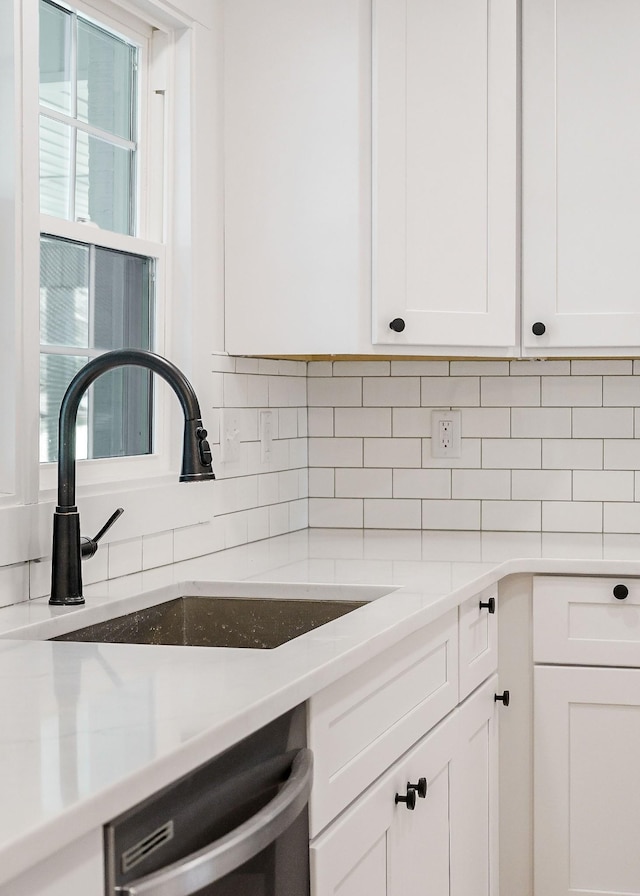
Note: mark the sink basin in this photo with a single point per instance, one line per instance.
(216, 622)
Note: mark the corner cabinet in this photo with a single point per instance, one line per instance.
(444, 173)
(370, 151)
(586, 736)
(428, 822)
(580, 176)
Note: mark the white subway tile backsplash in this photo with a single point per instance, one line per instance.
(419, 368)
(322, 482)
(365, 483)
(335, 392)
(505, 391)
(125, 557)
(401, 391)
(486, 422)
(392, 452)
(620, 391)
(541, 485)
(470, 455)
(602, 485)
(494, 484)
(336, 513)
(572, 454)
(450, 392)
(571, 516)
(479, 368)
(287, 424)
(362, 421)
(288, 485)
(257, 391)
(336, 453)
(298, 515)
(258, 524)
(396, 513)
(157, 550)
(541, 423)
(513, 454)
(411, 422)
(602, 423)
(14, 584)
(539, 367)
(361, 368)
(622, 454)
(572, 391)
(620, 366)
(451, 514)
(319, 368)
(247, 365)
(278, 519)
(320, 422)
(268, 366)
(421, 483)
(624, 517)
(235, 389)
(514, 516)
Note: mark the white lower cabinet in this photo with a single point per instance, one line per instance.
(586, 794)
(75, 870)
(587, 781)
(447, 844)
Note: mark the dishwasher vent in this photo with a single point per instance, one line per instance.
(145, 847)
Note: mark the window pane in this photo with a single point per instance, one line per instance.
(105, 80)
(55, 58)
(55, 162)
(64, 293)
(56, 372)
(104, 184)
(120, 413)
(122, 300)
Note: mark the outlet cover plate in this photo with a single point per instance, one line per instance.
(445, 433)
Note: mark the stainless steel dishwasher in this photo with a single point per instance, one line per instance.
(237, 825)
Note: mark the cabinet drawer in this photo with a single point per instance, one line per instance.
(579, 620)
(478, 647)
(362, 723)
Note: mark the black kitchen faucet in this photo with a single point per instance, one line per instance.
(68, 548)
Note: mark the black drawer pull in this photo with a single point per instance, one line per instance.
(489, 605)
(420, 788)
(538, 328)
(620, 592)
(409, 799)
(397, 325)
(503, 698)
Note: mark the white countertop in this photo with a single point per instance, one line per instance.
(90, 729)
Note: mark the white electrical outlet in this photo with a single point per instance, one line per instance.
(230, 436)
(266, 436)
(445, 433)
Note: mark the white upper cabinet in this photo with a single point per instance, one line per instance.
(581, 178)
(300, 81)
(297, 171)
(444, 173)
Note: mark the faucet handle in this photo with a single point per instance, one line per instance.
(88, 546)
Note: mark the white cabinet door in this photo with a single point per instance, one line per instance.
(444, 172)
(475, 796)
(581, 179)
(297, 192)
(382, 848)
(586, 781)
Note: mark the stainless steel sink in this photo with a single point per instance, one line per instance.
(216, 622)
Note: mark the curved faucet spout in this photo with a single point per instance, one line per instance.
(66, 575)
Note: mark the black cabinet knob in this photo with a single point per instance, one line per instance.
(409, 800)
(420, 788)
(620, 592)
(489, 605)
(503, 698)
(397, 325)
(538, 328)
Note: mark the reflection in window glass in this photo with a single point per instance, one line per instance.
(55, 168)
(105, 80)
(104, 174)
(94, 299)
(55, 58)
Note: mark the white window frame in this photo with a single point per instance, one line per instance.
(150, 217)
